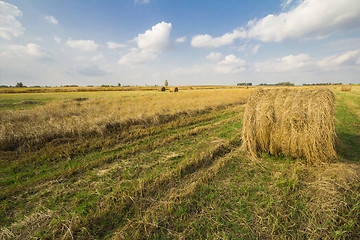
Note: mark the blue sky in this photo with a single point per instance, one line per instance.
(187, 42)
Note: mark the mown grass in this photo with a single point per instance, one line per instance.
(182, 177)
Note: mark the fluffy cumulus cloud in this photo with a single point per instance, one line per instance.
(137, 57)
(114, 45)
(214, 56)
(31, 50)
(36, 51)
(230, 64)
(51, 19)
(349, 58)
(10, 27)
(207, 41)
(156, 39)
(150, 45)
(310, 18)
(82, 45)
(285, 64)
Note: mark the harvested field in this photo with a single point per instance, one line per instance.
(68, 119)
(183, 176)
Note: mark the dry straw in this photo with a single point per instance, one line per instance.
(175, 89)
(297, 123)
(63, 119)
(346, 88)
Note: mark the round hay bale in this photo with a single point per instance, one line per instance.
(297, 123)
(175, 89)
(162, 89)
(346, 88)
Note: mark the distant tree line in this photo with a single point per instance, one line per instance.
(320, 84)
(244, 84)
(69, 85)
(18, 85)
(277, 84)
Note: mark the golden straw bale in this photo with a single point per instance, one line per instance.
(297, 123)
(346, 88)
(176, 89)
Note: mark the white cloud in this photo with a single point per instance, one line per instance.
(36, 51)
(97, 57)
(57, 39)
(285, 64)
(349, 58)
(311, 18)
(9, 25)
(207, 41)
(82, 45)
(137, 56)
(142, 1)
(181, 39)
(230, 64)
(52, 20)
(214, 56)
(255, 48)
(156, 39)
(286, 3)
(32, 50)
(150, 45)
(114, 45)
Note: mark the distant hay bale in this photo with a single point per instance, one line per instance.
(346, 88)
(297, 123)
(80, 99)
(176, 89)
(162, 89)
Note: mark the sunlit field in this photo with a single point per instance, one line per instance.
(146, 164)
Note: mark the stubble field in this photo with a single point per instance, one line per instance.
(159, 165)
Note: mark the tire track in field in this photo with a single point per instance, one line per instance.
(156, 210)
(199, 127)
(126, 149)
(126, 205)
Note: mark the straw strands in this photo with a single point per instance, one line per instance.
(346, 88)
(297, 123)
